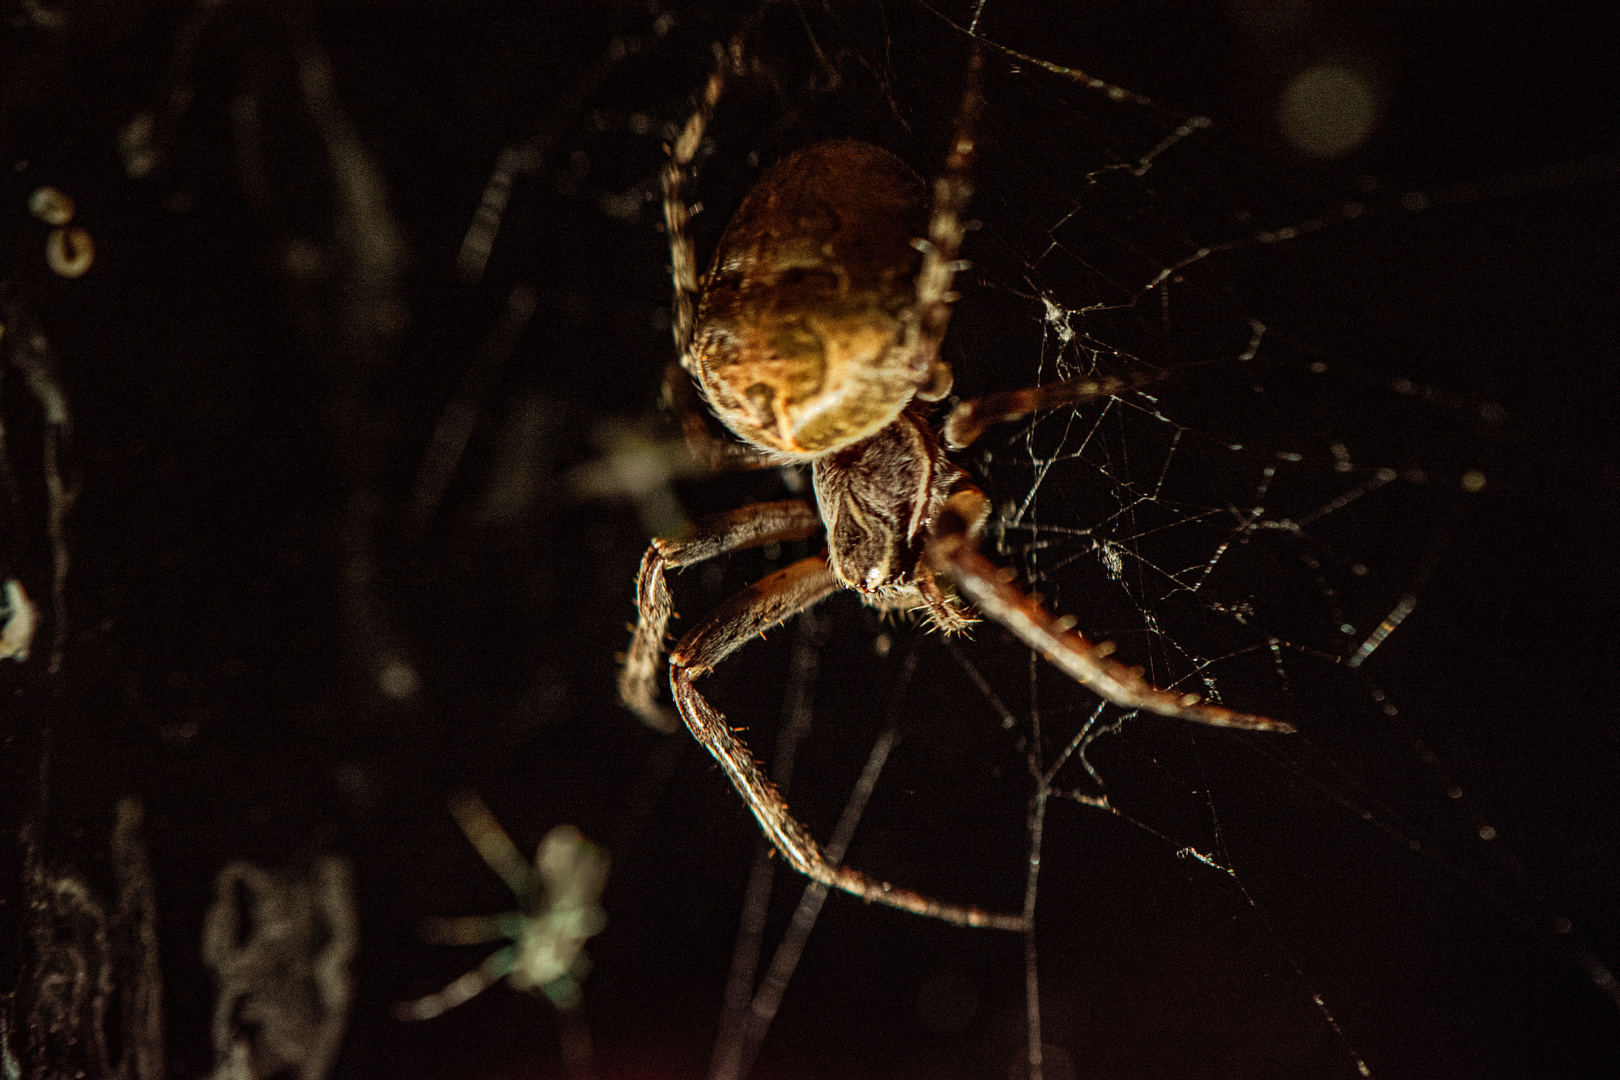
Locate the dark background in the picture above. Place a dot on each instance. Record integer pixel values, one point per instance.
(254, 403)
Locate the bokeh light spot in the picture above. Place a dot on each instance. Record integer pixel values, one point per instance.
(1328, 110)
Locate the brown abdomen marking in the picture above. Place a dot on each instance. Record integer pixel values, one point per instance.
(806, 330)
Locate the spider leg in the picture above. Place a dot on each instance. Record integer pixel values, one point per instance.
(951, 550)
(733, 530)
(494, 846)
(757, 608)
(951, 193)
(969, 419)
(472, 929)
(475, 982)
(683, 266)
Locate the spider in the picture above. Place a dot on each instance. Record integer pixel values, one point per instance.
(815, 338)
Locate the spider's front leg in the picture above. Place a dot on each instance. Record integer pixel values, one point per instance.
(759, 607)
(951, 551)
(969, 419)
(733, 530)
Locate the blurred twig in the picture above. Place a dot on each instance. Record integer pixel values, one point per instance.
(526, 158)
(461, 413)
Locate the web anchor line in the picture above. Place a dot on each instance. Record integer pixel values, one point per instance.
(1546, 920)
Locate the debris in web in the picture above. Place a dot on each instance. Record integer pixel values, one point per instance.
(280, 944)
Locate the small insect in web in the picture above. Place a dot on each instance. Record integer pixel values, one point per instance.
(557, 912)
(815, 339)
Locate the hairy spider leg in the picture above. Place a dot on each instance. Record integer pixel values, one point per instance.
(951, 550)
(969, 419)
(730, 530)
(683, 267)
(952, 191)
(711, 450)
(767, 602)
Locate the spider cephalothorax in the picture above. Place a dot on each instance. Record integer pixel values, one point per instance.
(879, 500)
(815, 337)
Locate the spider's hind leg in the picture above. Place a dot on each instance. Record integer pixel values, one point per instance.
(762, 605)
(733, 530)
(952, 550)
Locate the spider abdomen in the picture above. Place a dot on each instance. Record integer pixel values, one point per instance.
(807, 332)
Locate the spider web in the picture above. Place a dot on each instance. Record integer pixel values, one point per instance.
(1364, 484)
(1258, 525)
